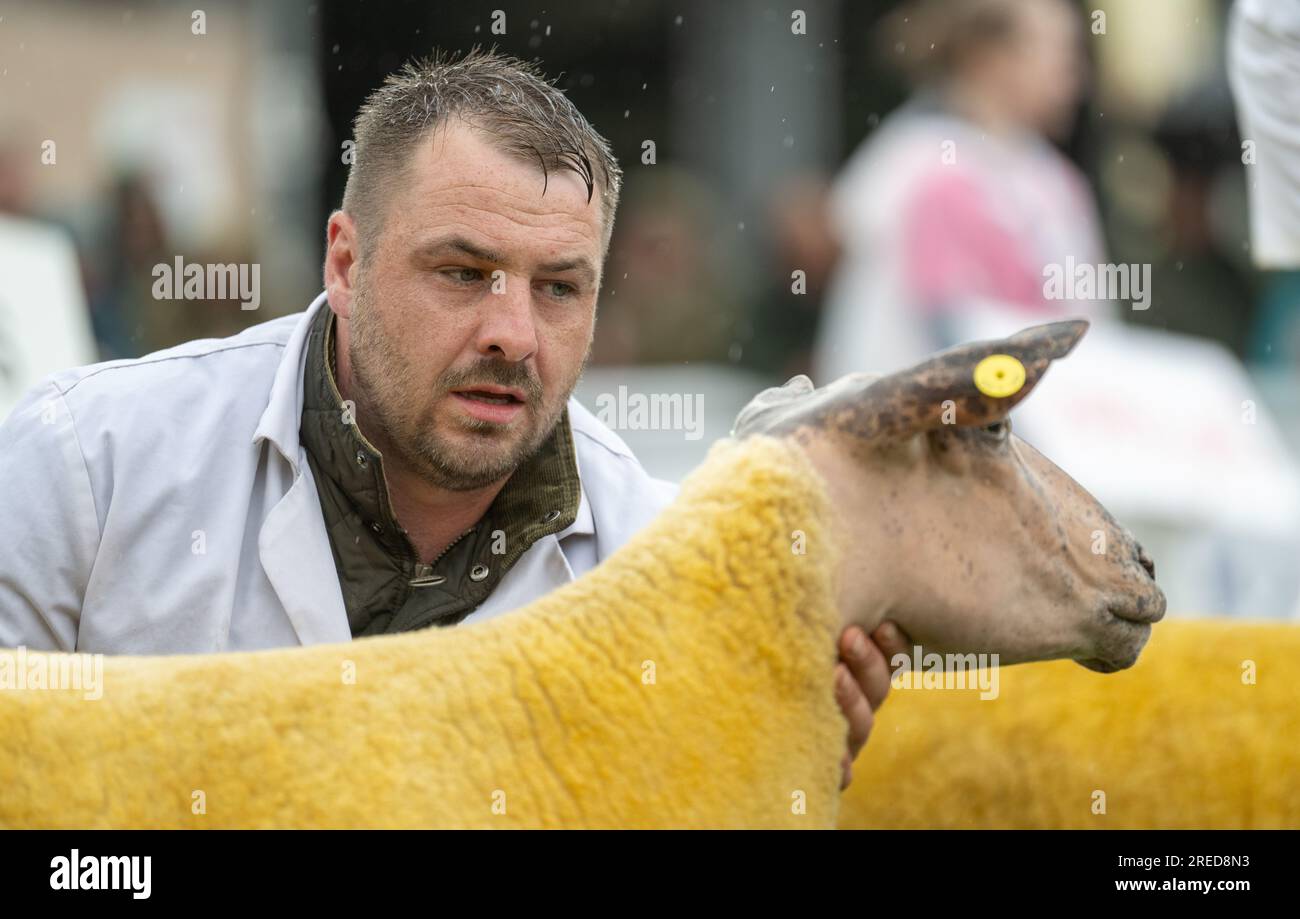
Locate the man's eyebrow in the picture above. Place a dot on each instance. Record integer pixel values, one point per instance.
(581, 265)
(459, 244)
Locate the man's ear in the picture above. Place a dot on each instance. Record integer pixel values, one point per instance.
(341, 256)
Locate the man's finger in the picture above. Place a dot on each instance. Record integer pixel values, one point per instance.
(867, 664)
(853, 703)
(892, 640)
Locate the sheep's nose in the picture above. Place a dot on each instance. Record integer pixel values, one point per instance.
(1145, 560)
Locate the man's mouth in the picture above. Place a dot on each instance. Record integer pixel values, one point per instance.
(501, 395)
(490, 403)
(495, 398)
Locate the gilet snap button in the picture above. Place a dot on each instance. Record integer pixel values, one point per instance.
(478, 572)
(551, 515)
(362, 459)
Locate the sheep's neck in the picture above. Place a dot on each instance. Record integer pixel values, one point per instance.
(865, 580)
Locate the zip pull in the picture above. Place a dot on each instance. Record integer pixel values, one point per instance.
(424, 577)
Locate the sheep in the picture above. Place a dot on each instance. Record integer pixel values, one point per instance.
(1203, 733)
(685, 682)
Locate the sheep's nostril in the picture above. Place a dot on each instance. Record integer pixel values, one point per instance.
(1146, 562)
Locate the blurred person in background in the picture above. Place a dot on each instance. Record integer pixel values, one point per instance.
(787, 311)
(959, 201)
(1201, 281)
(1264, 70)
(127, 319)
(15, 183)
(675, 287)
(121, 260)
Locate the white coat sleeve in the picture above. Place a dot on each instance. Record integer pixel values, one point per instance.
(49, 527)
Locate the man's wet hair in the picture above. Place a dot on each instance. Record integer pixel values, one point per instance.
(509, 100)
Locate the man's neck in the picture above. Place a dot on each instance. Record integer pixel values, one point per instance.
(433, 517)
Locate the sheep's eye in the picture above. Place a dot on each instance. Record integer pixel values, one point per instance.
(999, 430)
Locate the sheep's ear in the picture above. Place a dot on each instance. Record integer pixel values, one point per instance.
(945, 389)
(970, 385)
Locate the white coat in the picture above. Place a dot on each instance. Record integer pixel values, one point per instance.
(164, 505)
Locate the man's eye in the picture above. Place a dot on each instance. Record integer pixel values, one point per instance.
(559, 290)
(464, 275)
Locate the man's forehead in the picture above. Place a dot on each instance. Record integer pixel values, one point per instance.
(460, 165)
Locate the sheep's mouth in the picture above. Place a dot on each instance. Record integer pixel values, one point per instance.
(1098, 665)
(1139, 614)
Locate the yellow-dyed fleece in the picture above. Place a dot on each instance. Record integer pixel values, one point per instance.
(685, 682)
(1183, 739)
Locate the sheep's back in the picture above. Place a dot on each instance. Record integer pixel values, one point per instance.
(1182, 739)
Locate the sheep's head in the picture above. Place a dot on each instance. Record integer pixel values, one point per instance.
(954, 527)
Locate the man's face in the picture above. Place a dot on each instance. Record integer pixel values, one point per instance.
(471, 323)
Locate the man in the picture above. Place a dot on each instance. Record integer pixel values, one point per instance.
(403, 454)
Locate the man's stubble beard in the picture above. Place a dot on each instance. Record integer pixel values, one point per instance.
(381, 378)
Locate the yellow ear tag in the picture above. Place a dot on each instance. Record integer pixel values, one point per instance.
(999, 376)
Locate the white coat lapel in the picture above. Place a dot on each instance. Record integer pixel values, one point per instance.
(292, 544)
(296, 556)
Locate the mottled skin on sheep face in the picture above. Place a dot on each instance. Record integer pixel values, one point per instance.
(955, 528)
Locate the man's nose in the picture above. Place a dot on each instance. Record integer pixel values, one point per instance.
(508, 329)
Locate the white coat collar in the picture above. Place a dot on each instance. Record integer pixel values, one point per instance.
(293, 546)
(279, 423)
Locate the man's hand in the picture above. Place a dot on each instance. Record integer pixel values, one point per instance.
(862, 682)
